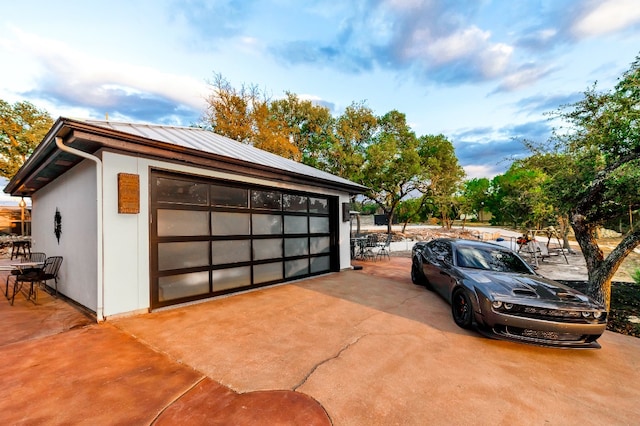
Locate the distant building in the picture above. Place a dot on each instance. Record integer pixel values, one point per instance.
(11, 220)
(149, 216)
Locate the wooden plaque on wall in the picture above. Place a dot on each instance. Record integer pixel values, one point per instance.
(128, 193)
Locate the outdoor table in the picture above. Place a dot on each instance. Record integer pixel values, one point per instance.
(359, 248)
(20, 248)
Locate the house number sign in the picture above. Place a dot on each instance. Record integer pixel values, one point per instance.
(128, 193)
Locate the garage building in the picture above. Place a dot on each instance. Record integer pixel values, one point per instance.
(148, 216)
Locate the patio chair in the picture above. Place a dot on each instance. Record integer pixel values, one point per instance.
(384, 248)
(50, 270)
(372, 243)
(36, 276)
(32, 257)
(31, 276)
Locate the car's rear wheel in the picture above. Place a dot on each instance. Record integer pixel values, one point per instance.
(461, 309)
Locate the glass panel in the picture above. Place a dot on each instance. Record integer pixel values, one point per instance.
(318, 205)
(319, 245)
(181, 192)
(320, 264)
(229, 196)
(183, 285)
(224, 223)
(271, 200)
(224, 279)
(296, 225)
(319, 225)
(267, 224)
(294, 203)
(173, 223)
(267, 249)
(296, 246)
(268, 272)
(182, 255)
(294, 268)
(230, 251)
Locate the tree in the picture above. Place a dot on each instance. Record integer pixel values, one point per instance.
(22, 128)
(392, 166)
(602, 148)
(443, 174)
(518, 198)
(244, 115)
(412, 209)
(311, 128)
(475, 194)
(354, 131)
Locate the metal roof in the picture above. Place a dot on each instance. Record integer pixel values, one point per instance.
(171, 142)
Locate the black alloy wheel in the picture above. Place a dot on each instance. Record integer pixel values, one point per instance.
(461, 309)
(417, 276)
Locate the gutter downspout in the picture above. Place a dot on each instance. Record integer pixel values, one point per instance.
(100, 277)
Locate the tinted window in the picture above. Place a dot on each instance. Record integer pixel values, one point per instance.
(441, 250)
(490, 260)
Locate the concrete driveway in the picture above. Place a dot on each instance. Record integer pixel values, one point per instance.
(360, 347)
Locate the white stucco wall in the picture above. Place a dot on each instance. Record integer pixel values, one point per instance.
(74, 195)
(126, 236)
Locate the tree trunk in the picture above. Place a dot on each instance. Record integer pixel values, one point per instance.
(601, 270)
(563, 221)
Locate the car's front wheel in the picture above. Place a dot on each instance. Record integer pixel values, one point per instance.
(417, 277)
(461, 309)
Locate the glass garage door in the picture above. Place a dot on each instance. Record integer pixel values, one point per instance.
(210, 238)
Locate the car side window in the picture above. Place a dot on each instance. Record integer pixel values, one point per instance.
(442, 250)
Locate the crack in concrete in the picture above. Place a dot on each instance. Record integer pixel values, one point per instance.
(326, 360)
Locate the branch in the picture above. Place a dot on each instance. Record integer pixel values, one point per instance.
(612, 262)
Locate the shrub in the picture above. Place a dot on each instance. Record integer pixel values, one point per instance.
(636, 276)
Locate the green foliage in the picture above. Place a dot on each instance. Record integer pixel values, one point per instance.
(22, 128)
(381, 153)
(442, 176)
(636, 276)
(412, 210)
(592, 166)
(518, 198)
(475, 196)
(392, 166)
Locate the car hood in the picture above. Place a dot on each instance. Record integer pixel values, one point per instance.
(517, 287)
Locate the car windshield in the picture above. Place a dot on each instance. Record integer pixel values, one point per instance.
(490, 260)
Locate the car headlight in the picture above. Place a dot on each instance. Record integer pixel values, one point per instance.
(586, 314)
(508, 306)
(598, 314)
(496, 304)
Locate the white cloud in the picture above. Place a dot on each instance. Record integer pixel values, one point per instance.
(470, 44)
(607, 16)
(522, 78)
(83, 74)
(481, 171)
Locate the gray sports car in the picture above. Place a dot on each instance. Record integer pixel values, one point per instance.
(490, 288)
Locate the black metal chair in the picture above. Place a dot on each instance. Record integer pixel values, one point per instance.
(372, 243)
(36, 277)
(32, 257)
(32, 276)
(384, 248)
(51, 269)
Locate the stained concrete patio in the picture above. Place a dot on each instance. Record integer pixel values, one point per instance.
(360, 347)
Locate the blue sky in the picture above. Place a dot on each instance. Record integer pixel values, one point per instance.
(483, 73)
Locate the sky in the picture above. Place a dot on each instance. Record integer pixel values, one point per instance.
(483, 73)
